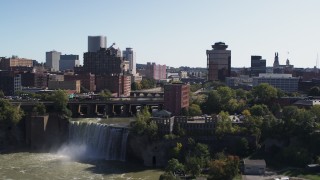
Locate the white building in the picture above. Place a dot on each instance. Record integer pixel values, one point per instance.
(53, 60)
(285, 82)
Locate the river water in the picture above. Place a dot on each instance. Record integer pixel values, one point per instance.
(61, 165)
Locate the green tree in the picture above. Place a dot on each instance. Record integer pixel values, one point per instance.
(314, 91)
(9, 114)
(39, 109)
(212, 104)
(60, 100)
(1, 94)
(194, 110)
(264, 93)
(105, 94)
(174, 165)
(259, 110)
(135, 86)
(193, 165)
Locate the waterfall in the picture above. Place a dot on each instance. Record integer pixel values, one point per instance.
(99, 140)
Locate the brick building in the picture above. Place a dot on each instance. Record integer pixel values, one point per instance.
(116, 84)
(65, 85)
(87, 80)
(156, 71)
(176, 97)
(30, 79)
(8, 63)
(105, 61)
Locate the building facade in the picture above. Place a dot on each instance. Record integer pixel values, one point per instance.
(130, 55)
(104, 61)
(285, 82)
(218, 62)
(176, 97)
(156, 71)
(68, 62)
(96, 42)
(65, 85)
(87, 80)
(119, 84)
(15, 62)
(258, 65)
(53, 60)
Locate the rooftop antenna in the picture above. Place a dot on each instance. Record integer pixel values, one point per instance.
(317, 62)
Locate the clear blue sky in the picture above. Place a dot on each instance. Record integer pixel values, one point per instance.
(172, 32)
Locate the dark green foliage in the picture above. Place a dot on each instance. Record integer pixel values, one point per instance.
(314, 91)
(39, 109)
(264, 93)
(10, 115)
(174, 165)
(168, 176)
(194, 110)
(60, 99)
(144, 126)
(1, 94)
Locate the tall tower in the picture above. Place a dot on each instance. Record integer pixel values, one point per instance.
(219, 62)
(130, 56)
(53, 60)
(276, 60)
(96, 42)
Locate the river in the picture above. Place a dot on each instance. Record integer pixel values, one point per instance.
(61, 165)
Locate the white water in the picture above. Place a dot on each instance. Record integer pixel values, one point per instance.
(95, 140)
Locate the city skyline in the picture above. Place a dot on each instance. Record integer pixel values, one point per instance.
(173, 33)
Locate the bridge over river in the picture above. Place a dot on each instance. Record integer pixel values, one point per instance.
(123, 106)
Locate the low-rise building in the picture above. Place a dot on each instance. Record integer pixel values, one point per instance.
(285, 82)
(254, 167)
(65, 85)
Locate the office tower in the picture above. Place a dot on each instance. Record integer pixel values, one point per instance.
(52, 60)
(104, 61)
(130, 55)
(96, 42)
(68, 62)
(285, 82)
(258, 65)
(218, 62)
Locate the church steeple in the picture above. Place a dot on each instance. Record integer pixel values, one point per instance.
(276, 60)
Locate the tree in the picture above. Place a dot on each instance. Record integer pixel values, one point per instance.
(60, 100)
(193, 165)
(9, 114)
(224, 168)
(135, 86)
(314, 91)
(212, 104)
(39, 109)
(194, 110)
(264, 93)
(174, 165)
(259, 110)
(1, 94)
(105, 94)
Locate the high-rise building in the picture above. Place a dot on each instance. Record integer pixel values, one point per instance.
(130, 55)
(96, 42)
(52, 60)
(156, 71)
(218, 62)
(68, 62)
(105, 61)
(258, 65)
